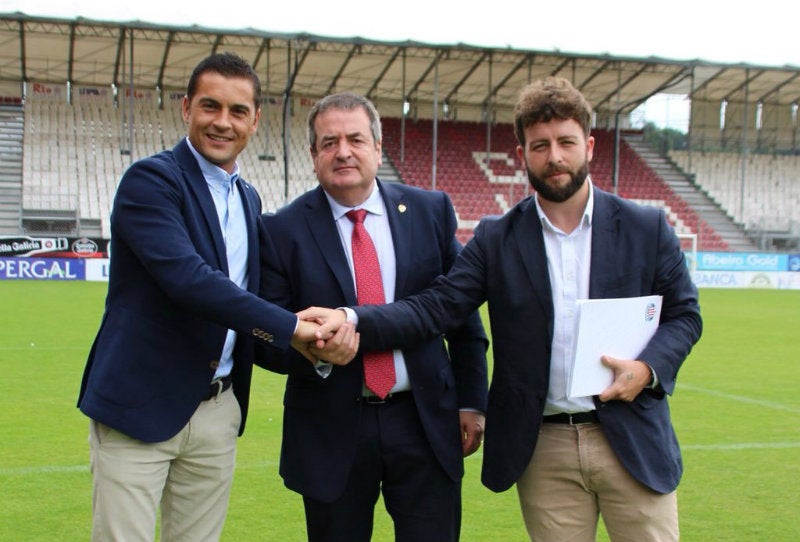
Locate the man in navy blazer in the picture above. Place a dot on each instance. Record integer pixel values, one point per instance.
(343, 445)
(167, 380)
(572, 459)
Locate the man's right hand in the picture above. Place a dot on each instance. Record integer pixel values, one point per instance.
(306, 334)
(329, 321)
(339, 349)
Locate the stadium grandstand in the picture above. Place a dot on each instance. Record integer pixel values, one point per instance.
(81, 99)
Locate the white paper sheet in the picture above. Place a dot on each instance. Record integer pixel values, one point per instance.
(619, 328)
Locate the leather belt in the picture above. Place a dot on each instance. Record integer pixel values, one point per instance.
(218, 386)
(391, 398)
(575, 418)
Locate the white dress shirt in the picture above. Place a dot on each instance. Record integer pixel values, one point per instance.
(377, 225)
(568, 264)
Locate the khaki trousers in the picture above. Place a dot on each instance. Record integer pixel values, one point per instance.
(574, 477)
(189, 476)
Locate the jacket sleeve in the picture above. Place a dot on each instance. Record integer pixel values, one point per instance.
(158, 216)
(680, 326)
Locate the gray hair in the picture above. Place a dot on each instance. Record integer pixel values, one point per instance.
(347, 101)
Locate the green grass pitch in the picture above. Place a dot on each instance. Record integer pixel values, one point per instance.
(736, 411)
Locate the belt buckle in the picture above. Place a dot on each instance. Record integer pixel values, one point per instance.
(375, 400)
(578, 414)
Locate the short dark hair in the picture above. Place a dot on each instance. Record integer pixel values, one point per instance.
(347, 101)
(547, 99)
(228, 65)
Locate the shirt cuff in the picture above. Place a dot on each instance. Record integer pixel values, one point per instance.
(351, 316)
(654, 383)
(323, 368)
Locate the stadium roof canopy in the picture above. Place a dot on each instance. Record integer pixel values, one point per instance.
(471, 80)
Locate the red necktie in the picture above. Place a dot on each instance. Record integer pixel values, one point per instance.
(378, 366)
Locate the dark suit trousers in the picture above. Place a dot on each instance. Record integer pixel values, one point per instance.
(393, 457)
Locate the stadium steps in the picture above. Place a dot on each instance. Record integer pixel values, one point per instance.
(706, 208)
(11, 130)
(387, 172)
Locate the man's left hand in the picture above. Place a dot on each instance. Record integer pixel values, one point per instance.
(472, 424)
(631, 376)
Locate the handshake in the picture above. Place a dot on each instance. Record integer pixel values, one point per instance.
(324, 334)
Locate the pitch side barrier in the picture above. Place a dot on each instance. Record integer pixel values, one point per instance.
(747, 270)
(64, 258)
(24, 257)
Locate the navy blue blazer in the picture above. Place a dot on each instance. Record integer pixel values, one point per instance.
(634, 252)
(303, 265)
(170, 302)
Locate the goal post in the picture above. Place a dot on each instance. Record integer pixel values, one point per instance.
(689, 246)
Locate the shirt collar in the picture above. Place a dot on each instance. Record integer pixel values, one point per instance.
(373, 204)
(586, 219)
(214, 174)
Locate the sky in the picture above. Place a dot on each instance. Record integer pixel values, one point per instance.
(763, 33)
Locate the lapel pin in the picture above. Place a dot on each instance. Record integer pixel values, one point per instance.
(401, 208)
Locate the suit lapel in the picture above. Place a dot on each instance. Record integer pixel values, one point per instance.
(528, 236)
(605, 229)
(199, 189)
(401, 226)
(323, 230)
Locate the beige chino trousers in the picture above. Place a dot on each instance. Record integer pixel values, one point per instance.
(575, 477)
(188, 477)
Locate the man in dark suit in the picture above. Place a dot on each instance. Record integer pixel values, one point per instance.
(572, 459)
(167, 380)
(343, 442)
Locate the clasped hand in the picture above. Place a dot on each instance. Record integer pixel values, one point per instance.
(324, 335)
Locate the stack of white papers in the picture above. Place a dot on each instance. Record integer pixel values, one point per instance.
(619, 328)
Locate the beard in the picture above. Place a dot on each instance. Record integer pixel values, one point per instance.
(556, 193)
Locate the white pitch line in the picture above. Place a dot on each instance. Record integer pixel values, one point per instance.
(43, 348)
(44, 469)
(740, 398)
(742, 446)
(67, 469)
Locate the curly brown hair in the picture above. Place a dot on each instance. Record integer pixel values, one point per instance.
(547, 99)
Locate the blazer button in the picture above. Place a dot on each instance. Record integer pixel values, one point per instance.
(263, 335)
(214, 364)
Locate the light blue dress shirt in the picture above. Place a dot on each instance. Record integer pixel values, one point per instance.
(230, 211)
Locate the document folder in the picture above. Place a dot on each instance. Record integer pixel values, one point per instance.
(619, 328)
